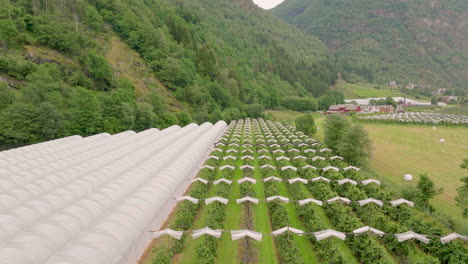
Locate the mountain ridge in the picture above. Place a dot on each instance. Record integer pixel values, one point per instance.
(420, 42)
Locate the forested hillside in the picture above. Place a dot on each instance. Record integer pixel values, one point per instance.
(83, 67)
(418, 41)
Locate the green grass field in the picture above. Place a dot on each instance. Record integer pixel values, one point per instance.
(366, 90)
(399, 150)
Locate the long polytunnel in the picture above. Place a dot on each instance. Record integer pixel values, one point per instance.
(94, 199)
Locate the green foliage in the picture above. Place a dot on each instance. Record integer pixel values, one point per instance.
(99, 70)
(426, 190)
(335, 127)
(144, 116)
(254, 110)
(306, 124)
(20, 123)
(85, 112)
(355, 146)
(7, 97)
(462, 195)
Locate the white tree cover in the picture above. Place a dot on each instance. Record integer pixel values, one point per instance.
(272, 178)
(213, 157)
(294, 150)
(338, 198)
(289, 168)
(297, 179)
(310, 150)
(320, 178)
(232, 150)
(227, 167)
(267, 166)
(229, 157)
(331, 168)
(265, 157)
(207, 231)
(277, 197)
(368, 229)
(401, 201)
(247, 199)
(343, 181)
(286, 229)
(172, 233)
(278, 151)
(310, 200)
(412, 235)
(200, 180)
(325, 150)
(282, 158)
(309, 167)
(87, 207)
(300, 157)
(247, 150)
(247, 167)
(318, 158)
(369, 181)
(453, 236)
(351, 168)
(247, 157)
(216, 199)
(320, 235)
(238, 234)
(222, 180)
(336, 157)
(187, 198)
(247, 179)
(370, 200)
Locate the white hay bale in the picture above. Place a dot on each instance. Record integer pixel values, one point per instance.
(408, 177)
(434, 128)
(442, 140)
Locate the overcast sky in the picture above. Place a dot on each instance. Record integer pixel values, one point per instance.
(267, 4)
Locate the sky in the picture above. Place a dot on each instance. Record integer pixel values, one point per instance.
(267, 4)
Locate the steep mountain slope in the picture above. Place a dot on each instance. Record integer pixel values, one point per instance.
(87, 66)
(403, 40)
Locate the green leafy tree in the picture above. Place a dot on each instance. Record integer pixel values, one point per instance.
(99, 70)
(434, 100)
(426, 190)
(355, 146)
(20, 123)
(462, 196)
(254, 110)
(306, 124)
(184, 118)
(85, 112)
(7, 97)
(51, 120)
(335, 127)
(144, 117)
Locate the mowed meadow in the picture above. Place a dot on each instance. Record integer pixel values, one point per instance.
(401, 149)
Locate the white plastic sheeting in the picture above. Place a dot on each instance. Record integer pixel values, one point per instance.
(93, 200)
(286, 229)
(169, 232)
(207, 231)
(368, 229)
(453, 236)
(238, 234)
(412, 235)
(320, 235)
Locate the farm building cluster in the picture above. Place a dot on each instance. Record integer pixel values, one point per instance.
(365, 109)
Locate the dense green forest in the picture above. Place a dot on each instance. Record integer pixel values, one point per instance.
(417, 41)
(90, 66)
